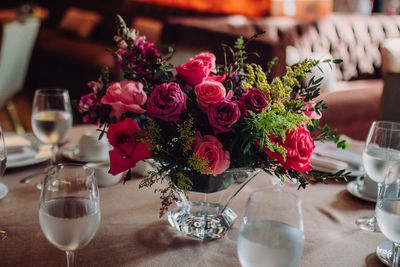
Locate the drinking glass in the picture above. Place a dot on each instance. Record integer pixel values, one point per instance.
(69, 210)
(388, 213)
(381, 152)
(3, 187)
(271, 232)
(51, 117)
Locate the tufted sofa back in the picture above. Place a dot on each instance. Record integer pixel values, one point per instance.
(354, 38)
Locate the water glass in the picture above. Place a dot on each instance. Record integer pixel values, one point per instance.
(69, 210)
(388, 213)
(271, 232)
(381, 153)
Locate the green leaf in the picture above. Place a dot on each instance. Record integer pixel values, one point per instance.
(337, 61)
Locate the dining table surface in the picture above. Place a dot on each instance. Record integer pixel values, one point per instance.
(131, 233)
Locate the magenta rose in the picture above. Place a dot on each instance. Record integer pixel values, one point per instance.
(207, 57)
(254, 99)
(299, 146)
(223, 114)
(309, 112)
(210, 92)
(125, 96)
(210, 148)
(166, 102)
(194, 71)
(123, 136)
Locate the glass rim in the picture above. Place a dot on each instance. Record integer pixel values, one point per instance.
(50, 91)
(381, 125)
(84, 167)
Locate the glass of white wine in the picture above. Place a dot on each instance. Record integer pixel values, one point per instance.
(3, 187)
(271, 232)
(51, 117)
(381, 153)
(388, 213)
(69, 210)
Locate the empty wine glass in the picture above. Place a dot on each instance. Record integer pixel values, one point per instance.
(381, 152)
(51, 118)
(69, 210)
(388, 213)
(3, 187)
(271, 233)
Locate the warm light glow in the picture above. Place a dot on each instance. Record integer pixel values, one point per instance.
(250, 8)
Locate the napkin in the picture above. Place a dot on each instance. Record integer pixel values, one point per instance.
(26, 152)
(15, 143)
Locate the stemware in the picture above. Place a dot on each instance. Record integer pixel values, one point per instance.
(381, 152)
(51, 118)
(271, 232)
(69, 210)
(3, 187)
(388, 213)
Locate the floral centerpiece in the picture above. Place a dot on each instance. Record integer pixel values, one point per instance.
(201, 118)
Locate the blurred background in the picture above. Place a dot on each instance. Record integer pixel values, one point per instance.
(70, 46)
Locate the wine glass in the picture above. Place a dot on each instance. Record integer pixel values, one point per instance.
(69, 210)
(271, 233)
(51, 118)
(388, 213)
(381, 152)
(3, 187)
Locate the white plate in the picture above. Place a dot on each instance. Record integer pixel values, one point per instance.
(43, 153)
(354, 172)
(352, 188)
(3, 190)
(384, 252)
(73, 154)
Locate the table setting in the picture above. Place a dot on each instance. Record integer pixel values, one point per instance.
(213, 166)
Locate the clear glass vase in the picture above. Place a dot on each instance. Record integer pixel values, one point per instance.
(204, 212)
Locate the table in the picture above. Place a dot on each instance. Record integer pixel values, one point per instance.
(131, 234)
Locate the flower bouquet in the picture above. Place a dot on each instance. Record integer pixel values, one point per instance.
(201, 120)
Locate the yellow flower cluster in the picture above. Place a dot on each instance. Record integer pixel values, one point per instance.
(257, 79)
(199, 164)
(186, 135)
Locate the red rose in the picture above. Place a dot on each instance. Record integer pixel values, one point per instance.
(194, 71)
(223, 114)
(127, 150)
(254, 99)
(299, 146)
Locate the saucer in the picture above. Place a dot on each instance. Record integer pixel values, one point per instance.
(384, 252)
(352, 188)
(3, 190)
(74, 154)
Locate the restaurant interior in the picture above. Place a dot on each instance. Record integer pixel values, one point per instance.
(66, 44)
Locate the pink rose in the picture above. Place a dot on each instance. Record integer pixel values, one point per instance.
(127, 150)
(299, 146)
(125, 96)
(166, 102)
(223, 114)
(208, 57)
(210, 92)
(309, 112)
(211, 149)
(254, 99)
(194, 71)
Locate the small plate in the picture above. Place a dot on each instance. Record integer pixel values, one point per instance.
(43, 153)
(384, 252)
(3, 190)
(73, 154)
(352, 188)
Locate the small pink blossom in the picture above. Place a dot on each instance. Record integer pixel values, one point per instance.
(309, 112)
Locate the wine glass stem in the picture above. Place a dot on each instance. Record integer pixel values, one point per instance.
(395, 259)
(70, 258)
(54, 149)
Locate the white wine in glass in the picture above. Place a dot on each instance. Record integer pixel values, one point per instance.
(51, 117)
(381, 153)
(69, 211)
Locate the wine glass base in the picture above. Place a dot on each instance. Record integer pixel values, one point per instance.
(368, 224)
(3, 190)
(384, 252)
